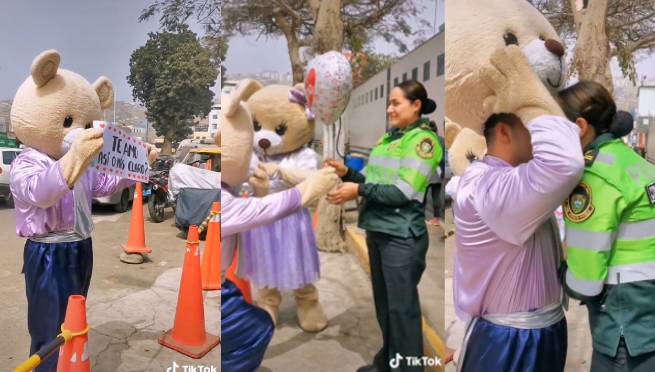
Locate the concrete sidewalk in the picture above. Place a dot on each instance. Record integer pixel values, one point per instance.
(128, 307)
(353, 335)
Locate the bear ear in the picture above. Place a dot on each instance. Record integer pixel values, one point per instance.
(452, 130)
(244, 90)
(105, 91)
(44, 67)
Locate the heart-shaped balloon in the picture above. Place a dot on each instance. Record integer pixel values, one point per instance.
(328, 76)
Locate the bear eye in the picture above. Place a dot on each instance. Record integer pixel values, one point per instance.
(68, 121)
(510, 39)
(281, 129)
(256, 125)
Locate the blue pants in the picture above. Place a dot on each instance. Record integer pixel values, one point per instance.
(504, 349)
(53, 271)
(246, 331)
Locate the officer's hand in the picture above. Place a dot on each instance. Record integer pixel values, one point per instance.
(338, 166)
(347, 191)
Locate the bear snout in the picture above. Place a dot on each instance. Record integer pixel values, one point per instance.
(264, 143)
(555, 47)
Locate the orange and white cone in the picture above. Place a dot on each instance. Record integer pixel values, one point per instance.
(211, 257)
(136, 242)
(188, 335)
(74, 355)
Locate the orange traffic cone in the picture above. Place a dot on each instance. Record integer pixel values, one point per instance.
(242, 284)
(211, 257)
(188, 335)
(136, 242)
(74, 355)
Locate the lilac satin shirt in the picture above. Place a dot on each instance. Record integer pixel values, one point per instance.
(242, 214)
(43, 201)
(507, 242)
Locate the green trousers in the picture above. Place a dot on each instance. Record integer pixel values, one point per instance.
(396, 268)
(622, 362)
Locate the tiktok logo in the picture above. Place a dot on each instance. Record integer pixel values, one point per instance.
(173, 368)
(395, 362)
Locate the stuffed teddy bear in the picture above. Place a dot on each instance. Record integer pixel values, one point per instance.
(283, 255)
(247, 329)
(53, 185)
(475, 29)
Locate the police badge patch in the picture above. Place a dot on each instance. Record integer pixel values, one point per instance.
(650, 191)
(425, 148)
(578, 206)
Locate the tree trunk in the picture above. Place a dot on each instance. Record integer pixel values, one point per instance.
(328, 32)
(592, 49)
(297, 67)
(328, 35)
(167, 146)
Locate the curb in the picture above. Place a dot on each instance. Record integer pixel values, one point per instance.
(435, 346)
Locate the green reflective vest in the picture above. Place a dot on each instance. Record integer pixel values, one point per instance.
(407, 162)
(610, 238)
(406, 159)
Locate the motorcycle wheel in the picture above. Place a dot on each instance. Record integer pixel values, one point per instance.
(156, 206)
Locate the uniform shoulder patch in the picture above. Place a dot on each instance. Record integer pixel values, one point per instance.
(578, 207)
(650, 191)
(425, 148)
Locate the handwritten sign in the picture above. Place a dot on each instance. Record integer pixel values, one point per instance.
(121, 154)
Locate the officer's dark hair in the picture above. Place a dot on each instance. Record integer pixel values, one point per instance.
(591, 101)
(413, 91)
(492, 122)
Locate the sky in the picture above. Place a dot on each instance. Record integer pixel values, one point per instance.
(94, 38)
(245, 54)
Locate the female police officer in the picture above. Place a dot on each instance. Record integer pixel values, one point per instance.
(610, 234)
(397, 174)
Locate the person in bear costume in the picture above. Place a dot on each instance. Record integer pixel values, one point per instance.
(504, 62)
(283, 255)
(52, 186)
(246, 329)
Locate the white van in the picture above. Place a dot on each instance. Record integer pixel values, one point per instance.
(7, 156)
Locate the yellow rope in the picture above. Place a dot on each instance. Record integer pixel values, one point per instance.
(68, 335)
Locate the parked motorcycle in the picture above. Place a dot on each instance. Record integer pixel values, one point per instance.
(159, 197)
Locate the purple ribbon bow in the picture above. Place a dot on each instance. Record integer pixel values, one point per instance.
(299, 97)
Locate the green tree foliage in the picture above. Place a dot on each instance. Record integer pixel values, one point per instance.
(171, 76)
(174, 13)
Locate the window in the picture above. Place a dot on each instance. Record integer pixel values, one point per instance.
(395, 81)
(404, 76)
(440, 65)
(370, 98)
(376, 93)
(382, 91)
(426, 71)
(415, 73)
(215, 116)
(8, 157)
